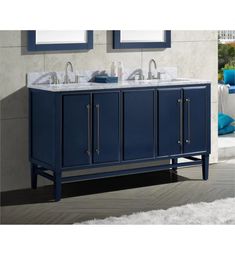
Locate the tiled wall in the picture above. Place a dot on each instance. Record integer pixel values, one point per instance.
(194, 53)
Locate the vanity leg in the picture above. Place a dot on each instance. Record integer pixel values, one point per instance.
(174, 161)
(57, 185)
(205, 167)
(34, 176)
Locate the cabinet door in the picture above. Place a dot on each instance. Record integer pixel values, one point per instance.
(106, 127)
(76, 130)
(195, 120)
(138, 124)
(170, 107)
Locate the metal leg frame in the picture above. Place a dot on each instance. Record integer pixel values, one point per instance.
(57, 178)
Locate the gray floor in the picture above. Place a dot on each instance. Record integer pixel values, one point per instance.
(118, 196)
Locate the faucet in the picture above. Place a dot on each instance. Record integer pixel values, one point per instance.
(66, 77)
(150, 75)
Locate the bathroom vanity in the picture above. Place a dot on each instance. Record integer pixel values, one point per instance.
(84, 126)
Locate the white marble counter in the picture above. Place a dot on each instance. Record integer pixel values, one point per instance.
(120, 85)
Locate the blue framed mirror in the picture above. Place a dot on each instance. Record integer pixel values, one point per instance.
(132, 39)
(51, 40)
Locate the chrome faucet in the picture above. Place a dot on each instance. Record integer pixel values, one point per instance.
(66, 77)
(150, 75)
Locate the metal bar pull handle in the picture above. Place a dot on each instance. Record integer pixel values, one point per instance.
(180, 141)
(88, 131)
(187, 100)
(98, 129)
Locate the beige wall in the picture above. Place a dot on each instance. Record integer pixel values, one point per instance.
(194, 53)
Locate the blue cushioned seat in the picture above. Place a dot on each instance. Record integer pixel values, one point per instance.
(224, 120)
(226, 130)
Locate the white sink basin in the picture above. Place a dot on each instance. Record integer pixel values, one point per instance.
(157, 81)
(70, 85)
(176, 79)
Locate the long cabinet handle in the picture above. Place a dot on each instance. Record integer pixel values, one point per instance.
(98, 129)
(187, 100)
(88, 130)
(180, 141)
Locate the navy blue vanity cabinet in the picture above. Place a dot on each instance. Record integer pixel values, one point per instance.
(106, 127)
(76, 133)
(84, 130)
(138, 124)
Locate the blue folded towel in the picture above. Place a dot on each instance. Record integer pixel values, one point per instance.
(106, 79)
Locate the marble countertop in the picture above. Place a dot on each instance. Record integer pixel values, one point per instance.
(83, 86)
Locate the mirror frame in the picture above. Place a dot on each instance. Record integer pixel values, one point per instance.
(117, 44)
(32, 46)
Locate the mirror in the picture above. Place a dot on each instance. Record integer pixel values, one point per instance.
(131, 39)
(51, 40)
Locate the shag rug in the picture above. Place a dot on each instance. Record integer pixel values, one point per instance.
(217, 212)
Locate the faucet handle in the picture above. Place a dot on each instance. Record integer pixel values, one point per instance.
(53, 78)
(162, 74)
(141, 76)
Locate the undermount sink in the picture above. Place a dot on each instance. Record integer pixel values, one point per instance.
(141, 81)
(178, 79)
(70, 84)
(173, 80)
(161, 80)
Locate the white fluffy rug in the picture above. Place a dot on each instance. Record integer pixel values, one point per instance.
(217, 212)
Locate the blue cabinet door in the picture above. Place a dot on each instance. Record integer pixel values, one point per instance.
(170, 117)
(106, 127)
(76, 130)
(138, 124)
(195, 119)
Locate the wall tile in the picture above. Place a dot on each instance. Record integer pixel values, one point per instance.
(100, 37)
(131, 59)
(83, 60)
(11, 38)
(100, 58)
(193, 59)
(14, 65)
(194, 35)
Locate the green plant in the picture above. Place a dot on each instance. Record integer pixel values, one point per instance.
(220, 75)
(226, 55)
(229, 66)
